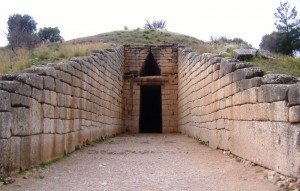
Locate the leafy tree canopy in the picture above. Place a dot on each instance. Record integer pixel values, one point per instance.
(50, 34)
(21, 31)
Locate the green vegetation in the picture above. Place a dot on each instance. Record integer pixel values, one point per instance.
(11, 62)
(139, 36)
(281, 64)
(18, 60)
(286, 39)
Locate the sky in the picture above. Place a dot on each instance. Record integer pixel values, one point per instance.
(249, 20)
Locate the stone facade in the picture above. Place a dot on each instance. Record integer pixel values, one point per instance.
(166, 58)
(47, 111)
(234, 107)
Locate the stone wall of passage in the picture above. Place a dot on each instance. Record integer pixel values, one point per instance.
(234, 107)
(45, 112)
(166, 58)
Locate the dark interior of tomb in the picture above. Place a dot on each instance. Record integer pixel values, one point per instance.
(150, 111)
(150, 67)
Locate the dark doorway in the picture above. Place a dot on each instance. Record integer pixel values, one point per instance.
(150, 67)
(150, 111)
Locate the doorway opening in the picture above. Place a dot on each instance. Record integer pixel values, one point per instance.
(150, 111)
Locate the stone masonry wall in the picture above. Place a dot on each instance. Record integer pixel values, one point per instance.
(46, 112)
(234, 107)
(166, 58)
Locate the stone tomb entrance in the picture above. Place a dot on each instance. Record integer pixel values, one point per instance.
(150, 89)
(150, 100)
(150, 111)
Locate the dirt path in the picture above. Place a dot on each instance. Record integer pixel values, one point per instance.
(146, 162)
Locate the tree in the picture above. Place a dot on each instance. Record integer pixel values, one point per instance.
(286, 18)
(49, 34)
(161, 24)
(21, 31)
(270, 42)
(287, 38)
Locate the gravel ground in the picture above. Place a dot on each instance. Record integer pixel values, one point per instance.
(146, 162)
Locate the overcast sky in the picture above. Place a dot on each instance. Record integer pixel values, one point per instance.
(248, 20)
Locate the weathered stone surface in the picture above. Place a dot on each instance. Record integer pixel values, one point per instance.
(244, 54)
(294, 95)
(30, 151)
(49, 125)
(27, 121)
(294, 114)
(10, 155)
(272, 93)
(278, 79)
(269, 144)
(47, 147)
(5, 125)
(227, 66)
(48, 111)
(247, 73)
(42, 71)
(5, 104)
(16, 87)
(264, 54)
(27, 78)
(49, 83)
(21, 125)
(20, 101)
(241, 65)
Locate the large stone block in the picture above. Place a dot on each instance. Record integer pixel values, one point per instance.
(279, 111)
(294, 95)
(73, 141)
(59, 146)
(49, 125)
(20, 101)
(294, 114)
(37, 94)
(10, 155)
(21, 121)
(278, 79)
(272, 93)
(31, 79)
(49, 97)
(224, 138)
(30, 151)
(5, 103)
(5, 125)
(49, 83)
(27, 121)
(247, 73)
(48, 111)
(47, 147)
(261, 111)
(16, 87)
(270, 144)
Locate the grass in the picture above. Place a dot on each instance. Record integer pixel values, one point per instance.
(11, 62)
(139, 36)
(281, 64)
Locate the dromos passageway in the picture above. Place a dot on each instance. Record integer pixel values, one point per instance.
(147, 162)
